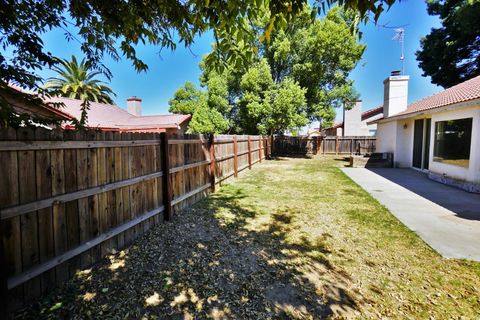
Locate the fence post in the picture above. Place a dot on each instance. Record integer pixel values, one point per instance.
(271, 145)
(167, 187)
(235, 156)
(337, 146)
(351, 146)
(249, 153)
(260, 147)
(265, 147)
(212, 161)
(4, 296)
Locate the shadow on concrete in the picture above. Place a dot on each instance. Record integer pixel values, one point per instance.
(464, 204)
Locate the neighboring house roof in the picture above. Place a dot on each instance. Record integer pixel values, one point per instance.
(372, 112)
(465, 91)
(108, 116)
(20, 104)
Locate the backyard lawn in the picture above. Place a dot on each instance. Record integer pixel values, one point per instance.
(293, 238)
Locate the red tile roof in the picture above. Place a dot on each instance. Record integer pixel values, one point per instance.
(110, 116)
(372, 112)
(465, 91)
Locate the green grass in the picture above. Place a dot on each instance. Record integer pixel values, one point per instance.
(293, 238)
(320, 216)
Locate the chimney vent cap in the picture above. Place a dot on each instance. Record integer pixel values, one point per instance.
(134, 98)
(395, 73)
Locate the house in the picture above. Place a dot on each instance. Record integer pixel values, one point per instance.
(355, 122)
(439, 134)
(24, 103)
(113, 118)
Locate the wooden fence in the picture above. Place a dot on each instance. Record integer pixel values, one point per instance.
(284, 145)
(68, 198)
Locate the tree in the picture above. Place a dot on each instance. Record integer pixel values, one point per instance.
(451, 54)
(319, 56)
(185, 99)
(315, 56)
(77, 81)
(267, 107)
(116, 27)
(206, 118)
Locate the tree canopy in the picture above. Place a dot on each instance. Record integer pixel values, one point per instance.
(267, 107)
(451, 54)
(116, 27)
(299, 76)
(205, 108)
(319, 56)
(77, 81)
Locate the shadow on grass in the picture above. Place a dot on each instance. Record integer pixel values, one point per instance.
(209, 262)
(283, 157)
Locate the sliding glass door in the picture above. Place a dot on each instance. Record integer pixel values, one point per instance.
(421, 143)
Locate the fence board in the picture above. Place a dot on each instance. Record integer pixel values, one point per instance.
(45, 223)
(11, 263)
(58, 210)
(28, 222)
(83, 211)
(71, 207)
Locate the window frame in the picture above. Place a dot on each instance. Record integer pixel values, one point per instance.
(464, 162)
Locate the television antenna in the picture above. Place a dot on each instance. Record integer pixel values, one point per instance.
(400, 37)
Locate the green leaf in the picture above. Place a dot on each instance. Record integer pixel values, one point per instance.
(56, 306)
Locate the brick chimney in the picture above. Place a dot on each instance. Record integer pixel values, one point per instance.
(134, 106)
(395, 94)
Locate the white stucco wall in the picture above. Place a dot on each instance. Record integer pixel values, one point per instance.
(386, 136)
(373, 126)
(404, 147)
(397, 137)
(472, 173)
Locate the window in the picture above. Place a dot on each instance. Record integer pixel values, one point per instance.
(452, 141)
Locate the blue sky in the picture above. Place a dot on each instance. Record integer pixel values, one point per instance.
(383, 54)
(169, 70)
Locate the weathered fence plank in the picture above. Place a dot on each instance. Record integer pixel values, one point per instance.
(29, 228)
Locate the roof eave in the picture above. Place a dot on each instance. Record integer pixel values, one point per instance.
(453, 106)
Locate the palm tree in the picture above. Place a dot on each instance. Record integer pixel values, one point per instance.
(78, 81)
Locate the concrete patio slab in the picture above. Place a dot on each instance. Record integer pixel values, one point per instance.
(446, 218)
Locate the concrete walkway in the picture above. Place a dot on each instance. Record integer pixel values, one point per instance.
(446, 218)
